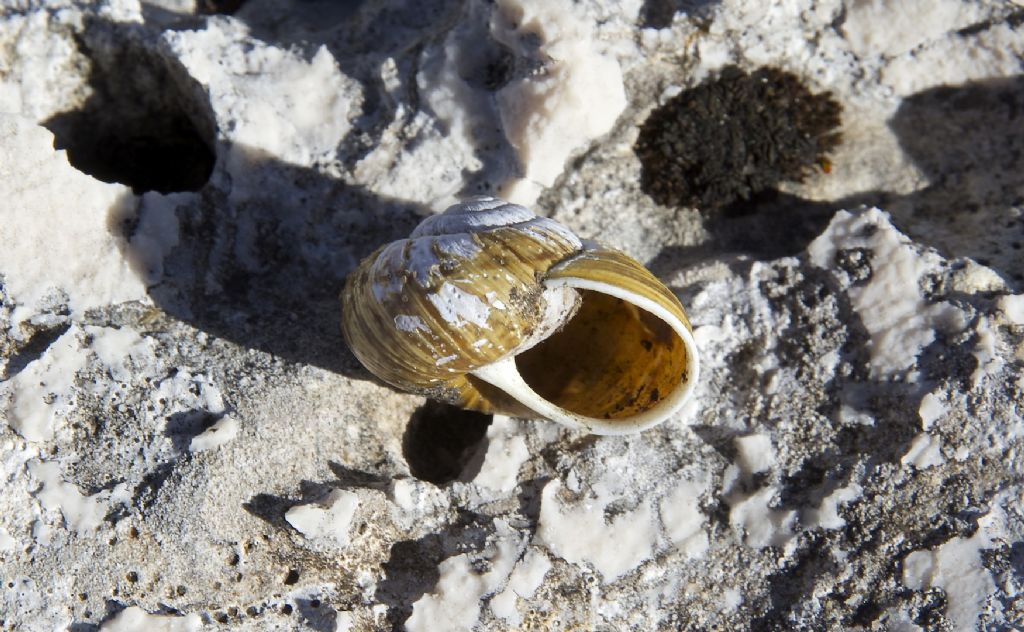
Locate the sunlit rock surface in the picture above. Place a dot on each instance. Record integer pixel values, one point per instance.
(187, 444)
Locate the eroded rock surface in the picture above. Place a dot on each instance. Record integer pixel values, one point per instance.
(189, 445)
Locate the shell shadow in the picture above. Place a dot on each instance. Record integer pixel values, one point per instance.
(441, 441)
(265, 271)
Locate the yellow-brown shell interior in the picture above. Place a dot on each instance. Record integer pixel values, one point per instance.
(613, 359)
(421, 315)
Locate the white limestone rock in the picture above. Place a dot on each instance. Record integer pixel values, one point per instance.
(548, 116)
(268, 100)
(44, 390)
(580, 533)
(134, 618)
(81, 513)
(223, 430)
(862, 351)
(892, 28)
(455, 602)
(891, 306)
(49, 252)
(330, 519)
(506, 453)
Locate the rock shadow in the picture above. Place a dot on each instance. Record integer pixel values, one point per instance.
(317, 616)
(770, 225)
(658, 14)
(184, 426)
(37, 344)
(789, 587)
(271, 508)
(262, 264)
(529, 499)
(145, 493)
(411, 569)
(968, 140)
(1017, 559)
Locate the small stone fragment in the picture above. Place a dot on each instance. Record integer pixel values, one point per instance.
(216, 435)
(134, 619)
(330, 520)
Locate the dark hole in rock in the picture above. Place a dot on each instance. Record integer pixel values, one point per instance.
(292, 577)
(440, 440)
(658, 14)
(316, 618)
(733, 136)
(491, 68)
(139, 126)
(224, 7)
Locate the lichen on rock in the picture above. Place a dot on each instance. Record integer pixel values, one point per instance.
(734, 136)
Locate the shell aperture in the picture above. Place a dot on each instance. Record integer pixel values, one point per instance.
(493, 308)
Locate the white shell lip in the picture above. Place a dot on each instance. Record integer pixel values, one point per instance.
(505, 375)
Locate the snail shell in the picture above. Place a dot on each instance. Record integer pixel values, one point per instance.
(493, 308)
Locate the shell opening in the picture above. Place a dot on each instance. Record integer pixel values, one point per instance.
(612, 360)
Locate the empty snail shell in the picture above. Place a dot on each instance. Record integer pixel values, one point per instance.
(493, 308)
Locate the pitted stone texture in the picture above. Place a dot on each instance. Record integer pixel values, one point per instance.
(854, 456)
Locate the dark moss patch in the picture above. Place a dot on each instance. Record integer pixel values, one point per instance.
(733, 136)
